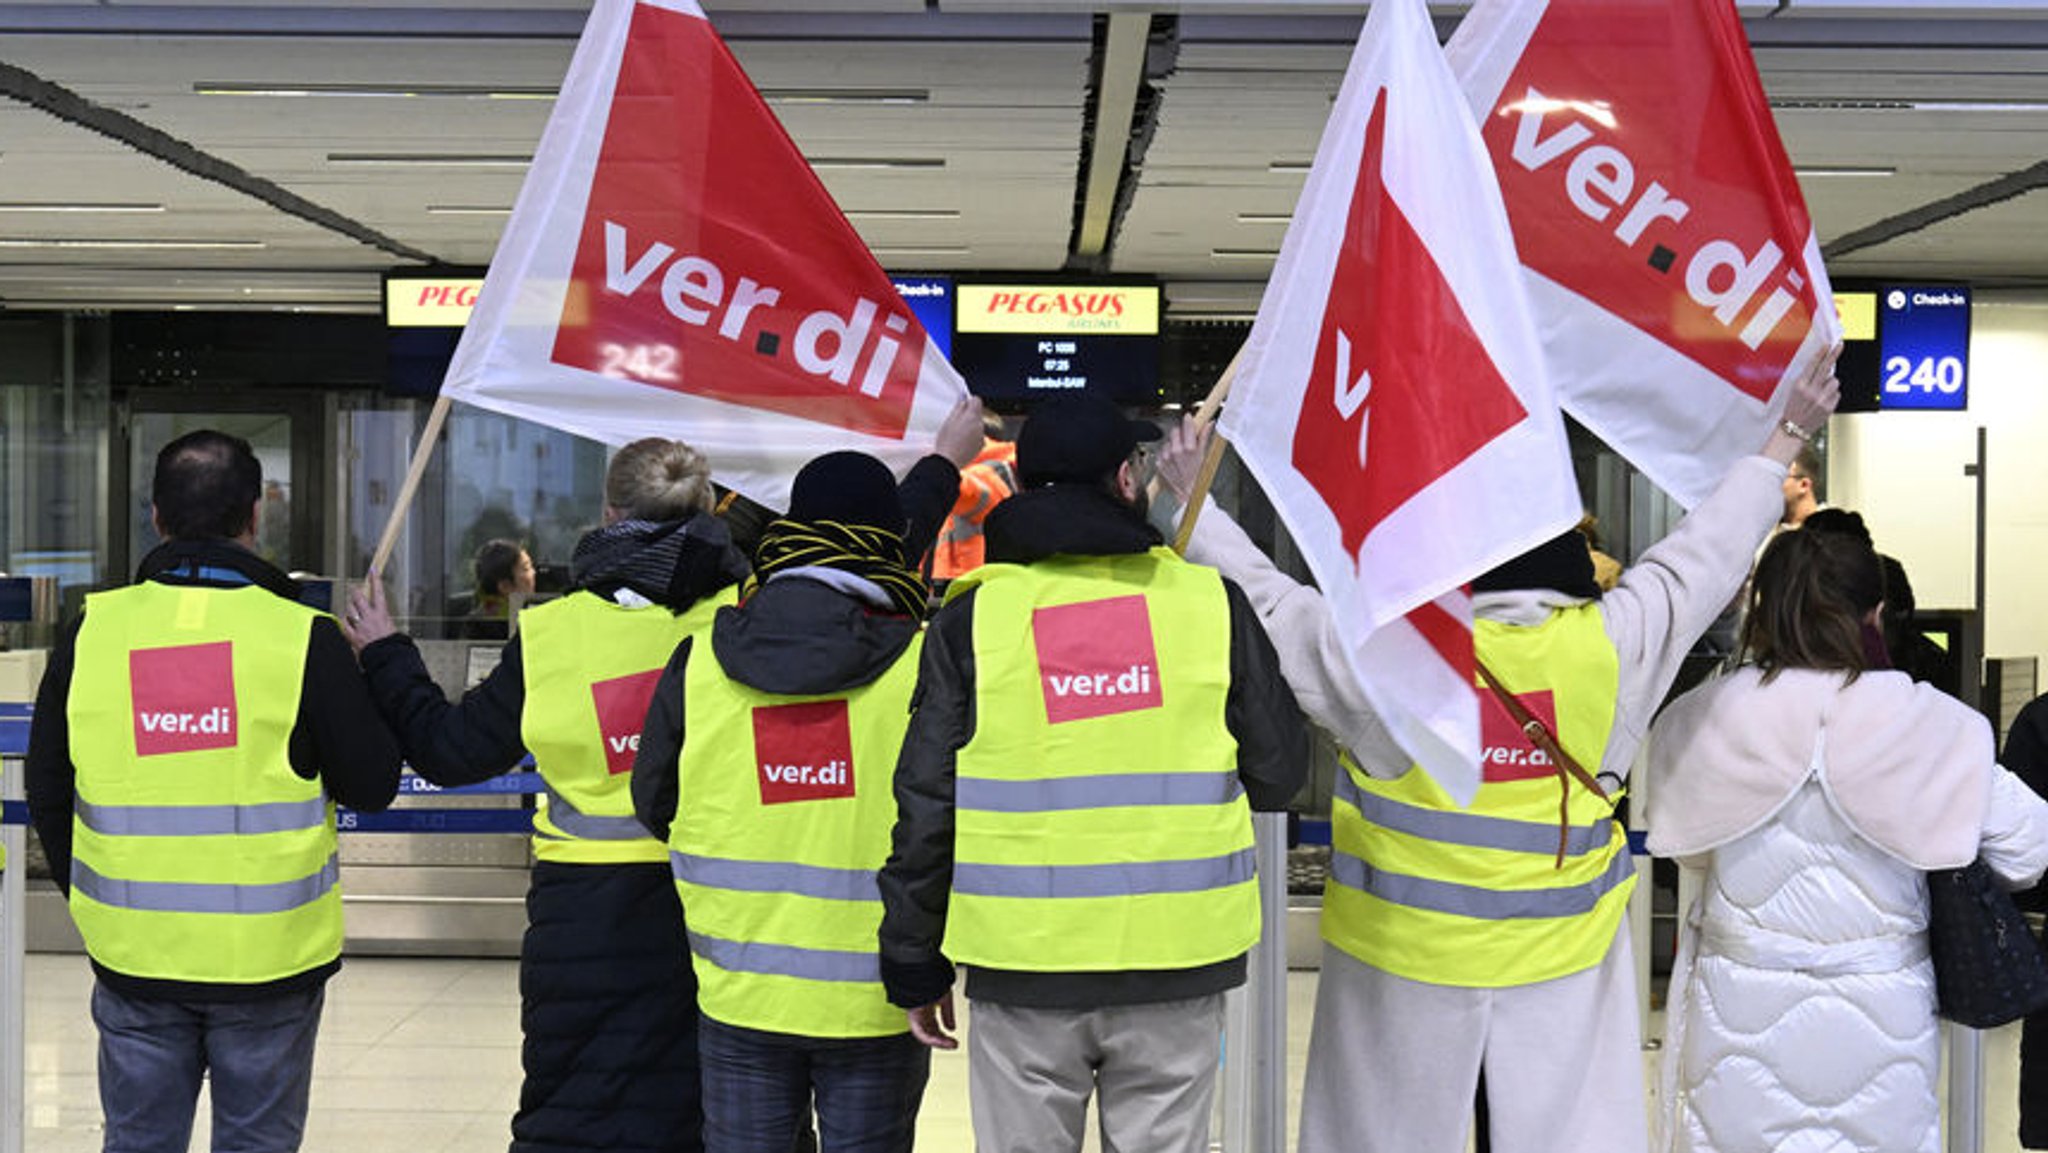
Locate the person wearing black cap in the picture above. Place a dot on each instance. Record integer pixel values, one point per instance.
(1490, 936)
(1095, 719)
(765, 765)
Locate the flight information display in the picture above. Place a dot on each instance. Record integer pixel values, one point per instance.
(1024, 342)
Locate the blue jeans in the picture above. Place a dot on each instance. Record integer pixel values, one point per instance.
(758, 1088)
(153, 1054)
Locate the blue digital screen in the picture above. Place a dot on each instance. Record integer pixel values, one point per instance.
(931, 300)
(1923, 334)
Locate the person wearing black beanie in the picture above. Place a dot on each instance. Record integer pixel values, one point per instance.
(765, 764)
(1086, 679)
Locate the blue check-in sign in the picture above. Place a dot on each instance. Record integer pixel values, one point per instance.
(1924, 343)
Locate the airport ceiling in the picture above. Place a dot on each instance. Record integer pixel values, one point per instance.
(276, 154)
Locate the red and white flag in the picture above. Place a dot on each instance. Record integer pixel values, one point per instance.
(674, 268)
(1673, 269)
(1391, 398)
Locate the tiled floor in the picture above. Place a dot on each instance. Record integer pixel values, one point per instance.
(423, 1056)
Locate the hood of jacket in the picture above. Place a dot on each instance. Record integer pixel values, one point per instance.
(797, 636)
(1907, 766)
(1074, 519)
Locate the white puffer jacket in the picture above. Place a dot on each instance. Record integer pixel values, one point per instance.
(1801, 1017)
(1810, 944)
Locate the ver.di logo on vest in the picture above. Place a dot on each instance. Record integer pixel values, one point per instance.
(1096, 658)
(803, 752)
(1505, 751)
(621, 712)
(184, 698)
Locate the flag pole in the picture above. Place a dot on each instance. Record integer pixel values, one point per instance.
(1212, 457)
(428, 436)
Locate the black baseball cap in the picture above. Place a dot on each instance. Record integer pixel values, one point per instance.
(1077, 438)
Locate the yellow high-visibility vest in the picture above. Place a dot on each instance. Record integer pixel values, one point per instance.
(1474, 896)
(590, 667)
(1099, 820)
(197, 853)
(784, 818)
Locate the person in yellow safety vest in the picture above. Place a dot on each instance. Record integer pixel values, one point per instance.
(608, 1011)
(989, 480)
(1461, 939)
(1095, 721)
(766, 763)
(608, 1000)
(192, 735)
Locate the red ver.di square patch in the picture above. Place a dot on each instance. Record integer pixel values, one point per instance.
(1096, 658)
(621, 714)
(184, 698)
(1505, 751)
(804, 752)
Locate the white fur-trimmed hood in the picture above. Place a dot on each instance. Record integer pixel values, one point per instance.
(1907, 766)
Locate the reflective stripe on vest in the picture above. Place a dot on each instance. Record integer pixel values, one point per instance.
(1475, 830)
(840, 966)
(192, 897)
(200, 820)
(1061, 882)
(1099, 824)
(1478, 901)
(198, 853)
(775, 877)
(1473, 895)
(1102, 791)
(571, 824)
(785, 819)
(589, 666)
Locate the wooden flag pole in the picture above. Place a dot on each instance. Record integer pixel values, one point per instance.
(428, 437)
(1212, 458)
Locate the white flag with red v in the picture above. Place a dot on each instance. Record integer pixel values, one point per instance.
(1673, 269)
(674, 268)
(1391, 398)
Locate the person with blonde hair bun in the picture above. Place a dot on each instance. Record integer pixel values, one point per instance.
(608, 1002)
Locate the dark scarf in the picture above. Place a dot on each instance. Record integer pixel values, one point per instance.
(873, 554)
(672, 563)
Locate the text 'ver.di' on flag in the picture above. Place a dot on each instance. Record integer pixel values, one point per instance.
(674, 268)
(1671, 264)
(1391, 398)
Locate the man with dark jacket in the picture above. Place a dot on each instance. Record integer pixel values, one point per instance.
(1092, 716)
(765, 764)
(192, 735)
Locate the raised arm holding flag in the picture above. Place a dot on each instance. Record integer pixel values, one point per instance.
(1469, 924)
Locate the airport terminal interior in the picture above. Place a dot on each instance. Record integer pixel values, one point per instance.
(272, 217)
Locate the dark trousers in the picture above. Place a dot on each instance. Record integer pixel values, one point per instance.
(759, 1089)
(154, 1053)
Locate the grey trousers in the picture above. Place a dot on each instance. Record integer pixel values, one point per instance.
(1030, 1072)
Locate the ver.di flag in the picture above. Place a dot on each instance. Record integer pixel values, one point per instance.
(674, 268)
(1391, 398)
(1673, 269)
